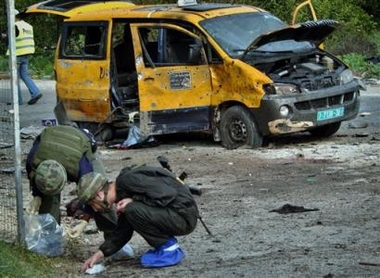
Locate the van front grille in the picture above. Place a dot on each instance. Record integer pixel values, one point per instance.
(325, 102)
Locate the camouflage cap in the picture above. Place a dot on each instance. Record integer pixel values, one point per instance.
(89, 185)
(50, 177)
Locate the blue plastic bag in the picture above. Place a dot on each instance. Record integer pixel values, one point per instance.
(135, 138)
(43, 235)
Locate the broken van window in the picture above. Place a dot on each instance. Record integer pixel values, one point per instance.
(83, 41)
(165, 46)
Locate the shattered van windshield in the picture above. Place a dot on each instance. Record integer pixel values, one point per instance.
(235, 32)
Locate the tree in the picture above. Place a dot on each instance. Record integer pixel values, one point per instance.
(45, 38)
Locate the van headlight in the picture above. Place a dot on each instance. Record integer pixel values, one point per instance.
(346, 76)
(284, 111)
(281, 89)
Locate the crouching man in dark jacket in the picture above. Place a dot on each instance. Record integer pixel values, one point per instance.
(149, 200)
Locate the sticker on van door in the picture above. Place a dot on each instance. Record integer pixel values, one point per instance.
(180, 80)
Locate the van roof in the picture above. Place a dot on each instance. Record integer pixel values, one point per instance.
(174, 12)
(70, 8)
(92, 9)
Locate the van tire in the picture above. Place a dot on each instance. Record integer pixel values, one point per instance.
(238, 129)
(106, 133)
(325, 130)
(102, 133)
(90, 126)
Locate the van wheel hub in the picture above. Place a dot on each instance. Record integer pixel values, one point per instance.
(238, 130)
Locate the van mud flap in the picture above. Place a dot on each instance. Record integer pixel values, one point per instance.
(61, 115)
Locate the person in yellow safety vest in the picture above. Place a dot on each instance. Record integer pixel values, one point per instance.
(24, 48)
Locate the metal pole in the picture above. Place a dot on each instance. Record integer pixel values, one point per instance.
(16, 118)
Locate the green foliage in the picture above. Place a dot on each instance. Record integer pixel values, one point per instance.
(4, 64)
(46, 27)
(348, 12)
(40, 65)
(372, 7)
(16, 261)
(282, 9)
(45, 38)
(345, 42)
(360, 66)
(354, 23)
(376, 39)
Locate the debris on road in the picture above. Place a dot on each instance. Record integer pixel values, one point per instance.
(287, 208)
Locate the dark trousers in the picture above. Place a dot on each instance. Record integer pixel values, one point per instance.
(155, 224)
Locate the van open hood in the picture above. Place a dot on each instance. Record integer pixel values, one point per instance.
(311, 31)
(67, 8)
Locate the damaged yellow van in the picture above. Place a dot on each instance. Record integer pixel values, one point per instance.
(235, 71)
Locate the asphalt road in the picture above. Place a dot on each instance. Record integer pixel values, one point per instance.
(369, 113)
(32, 115)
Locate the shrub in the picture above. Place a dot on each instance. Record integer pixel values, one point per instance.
(345, 42)
(361, 66)
(40, 65)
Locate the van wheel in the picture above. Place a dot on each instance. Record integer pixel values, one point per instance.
(91, 127)
(105, 133)
(101, 133)
(238, 128)
(325, 130)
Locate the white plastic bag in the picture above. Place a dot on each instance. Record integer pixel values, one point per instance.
(126, 252)
(97, 268)
(43, 235)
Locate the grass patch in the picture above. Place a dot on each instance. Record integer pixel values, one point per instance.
(376, 40)
(17, 261)
(361, 67)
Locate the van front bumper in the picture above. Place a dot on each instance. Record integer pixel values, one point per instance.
(305, 109)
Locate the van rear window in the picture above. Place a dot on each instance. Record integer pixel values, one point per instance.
(85, 41)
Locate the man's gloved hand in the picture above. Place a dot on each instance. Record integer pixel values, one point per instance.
(78, 229)
(34, 205)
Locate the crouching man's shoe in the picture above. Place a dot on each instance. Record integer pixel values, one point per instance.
(167, 254)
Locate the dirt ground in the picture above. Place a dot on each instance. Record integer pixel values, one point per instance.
(338, 179)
